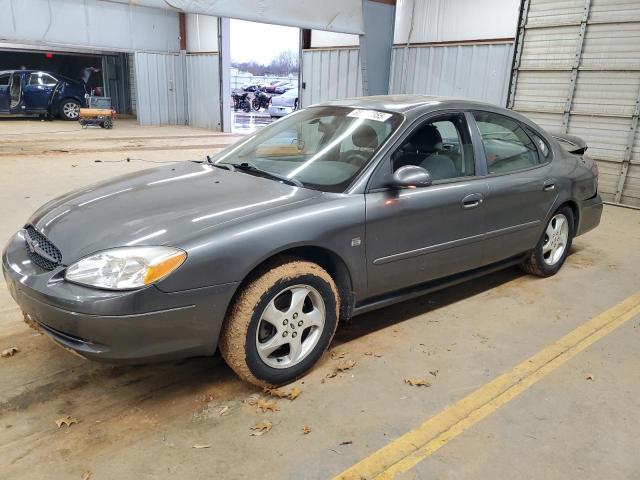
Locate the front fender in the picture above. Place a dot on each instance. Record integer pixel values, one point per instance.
(332, 222)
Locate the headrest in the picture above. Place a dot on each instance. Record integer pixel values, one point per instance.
(427, 139)
(365, 137)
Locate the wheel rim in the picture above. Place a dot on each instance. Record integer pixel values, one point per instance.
(555, 241)
(71, 110)
(290, 326)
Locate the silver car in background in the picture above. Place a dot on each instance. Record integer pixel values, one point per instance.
(284, 104)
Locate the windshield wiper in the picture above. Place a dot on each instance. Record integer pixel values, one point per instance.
(246, 167)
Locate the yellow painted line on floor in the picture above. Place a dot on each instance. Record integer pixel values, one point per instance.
(414, 446)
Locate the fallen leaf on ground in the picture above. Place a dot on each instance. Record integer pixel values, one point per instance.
(9, 352)
(260, 428)
(265, 405)
(66, 420)
(434, 372)
(417, 382)
(294, 393)
(336, 355)
(342, 366)
(346, 442)
(589, 377)
(201, 446)
(86, 475)
(223, 411)
(306, 430)
(274, 392)
(373, 354)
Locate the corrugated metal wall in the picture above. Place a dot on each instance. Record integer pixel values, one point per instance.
(203, 91)
(132, 82)
(480, 72)
(577, 70)
(330, 74)
(160, 88)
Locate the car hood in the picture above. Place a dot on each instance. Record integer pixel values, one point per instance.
(162, 206)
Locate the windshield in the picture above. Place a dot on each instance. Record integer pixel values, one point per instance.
(322, 148)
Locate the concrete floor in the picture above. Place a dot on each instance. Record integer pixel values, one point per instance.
(580, 421)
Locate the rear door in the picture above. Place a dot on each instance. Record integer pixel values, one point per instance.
(414, 235)
(5, 79)
(521, 189)
(37, 92)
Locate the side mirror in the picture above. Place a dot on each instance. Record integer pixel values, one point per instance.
(411, 176)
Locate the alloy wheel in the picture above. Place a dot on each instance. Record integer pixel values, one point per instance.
(555, 239)
(71, 110)
(290, 326)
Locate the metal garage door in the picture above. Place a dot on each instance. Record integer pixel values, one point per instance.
(577, 70)
(160, 88)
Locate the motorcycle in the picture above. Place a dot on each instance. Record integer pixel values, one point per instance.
(241, 102)
(260, 100)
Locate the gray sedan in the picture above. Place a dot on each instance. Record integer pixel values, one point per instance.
(335, 210)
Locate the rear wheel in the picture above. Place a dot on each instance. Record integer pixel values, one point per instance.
(69, 109)
(554, 245)
(280, 323)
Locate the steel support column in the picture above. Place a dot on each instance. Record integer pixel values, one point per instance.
(626, 160)
(575, 67)
(224, 59)
(515, 68)
(376, 44)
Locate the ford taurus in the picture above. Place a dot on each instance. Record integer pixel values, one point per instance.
(332, 211)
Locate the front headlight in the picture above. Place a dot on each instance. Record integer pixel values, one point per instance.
(126, 268)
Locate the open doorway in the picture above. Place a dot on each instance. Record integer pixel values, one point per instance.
(264, 73)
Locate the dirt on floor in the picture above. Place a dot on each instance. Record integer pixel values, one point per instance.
(195, 419)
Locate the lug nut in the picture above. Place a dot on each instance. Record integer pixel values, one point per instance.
(285, 333)
(294, 334)
(300, 323)
(295, 315)
(285, 321)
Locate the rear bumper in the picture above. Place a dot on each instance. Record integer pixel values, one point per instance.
(276, 111)
(128, 326)
(590, 213)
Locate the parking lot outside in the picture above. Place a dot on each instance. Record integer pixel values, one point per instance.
(193, 418)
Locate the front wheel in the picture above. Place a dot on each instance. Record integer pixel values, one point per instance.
(255, 103)
(554, 245)
(69, 110)
(280, 323)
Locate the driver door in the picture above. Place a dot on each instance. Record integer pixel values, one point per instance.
(15, 94)
(4, 92)
(37, 92)
(414, 235)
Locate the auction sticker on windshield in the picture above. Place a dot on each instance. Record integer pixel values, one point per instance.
(369, 115)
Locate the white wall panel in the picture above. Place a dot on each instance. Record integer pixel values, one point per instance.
(202, 33)
(478, 72)
(160, 88)
(330, 74)
(88, 24)
(455, 20)
(203, 91)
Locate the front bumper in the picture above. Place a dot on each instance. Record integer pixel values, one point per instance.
(118, 326)
(276, 111)
(590, 213)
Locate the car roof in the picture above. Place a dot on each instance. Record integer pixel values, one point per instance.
(413, 105)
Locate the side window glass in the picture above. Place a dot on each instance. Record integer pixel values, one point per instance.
(542, 147)
(4, 80)
(506, 145)
(43, 79)
(441, 146)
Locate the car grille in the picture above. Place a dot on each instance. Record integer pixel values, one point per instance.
(38, 242)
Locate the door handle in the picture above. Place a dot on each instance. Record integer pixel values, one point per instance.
(472, 201)
(549, 186)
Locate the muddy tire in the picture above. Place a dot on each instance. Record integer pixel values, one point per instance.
(553, 247)
(280, 323)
